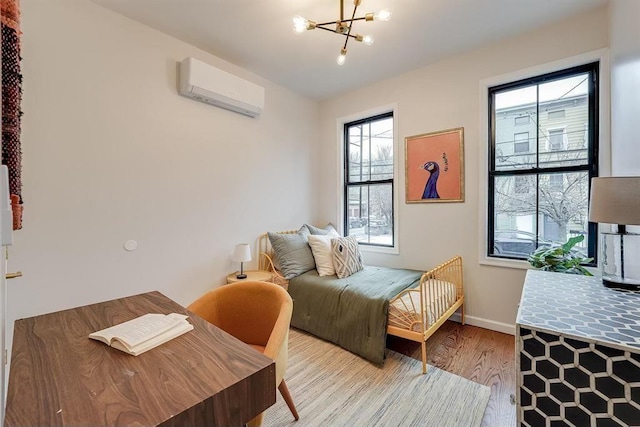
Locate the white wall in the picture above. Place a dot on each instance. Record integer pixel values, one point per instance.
(112, 152)
(625, 87)
(443, 96)
(624, 42)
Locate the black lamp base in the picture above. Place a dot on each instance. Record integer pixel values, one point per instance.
(626, 285)
(241, 275)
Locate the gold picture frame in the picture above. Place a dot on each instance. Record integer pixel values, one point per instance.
(434, 167)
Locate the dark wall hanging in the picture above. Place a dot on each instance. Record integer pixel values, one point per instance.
(11, 97)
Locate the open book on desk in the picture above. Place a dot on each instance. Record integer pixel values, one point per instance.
(144, 333)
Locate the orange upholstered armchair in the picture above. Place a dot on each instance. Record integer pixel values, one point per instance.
(258, 314)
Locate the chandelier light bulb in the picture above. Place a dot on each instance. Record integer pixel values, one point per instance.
(383, 15)
(368, 40)
(299, 24)
(342, 57)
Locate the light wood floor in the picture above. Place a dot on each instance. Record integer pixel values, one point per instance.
(480, 355)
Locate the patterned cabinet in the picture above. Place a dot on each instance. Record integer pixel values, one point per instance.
(578, 353)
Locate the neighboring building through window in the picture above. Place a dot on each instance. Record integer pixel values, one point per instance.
(556, 181)
(556, 139)
(521, 142)
(368, 186)
(558, 114)
(541, 196)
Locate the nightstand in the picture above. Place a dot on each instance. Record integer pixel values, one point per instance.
(261, 275)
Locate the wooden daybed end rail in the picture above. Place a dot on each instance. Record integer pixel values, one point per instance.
(415, 314)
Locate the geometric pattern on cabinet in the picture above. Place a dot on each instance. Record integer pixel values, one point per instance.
(569, 382)
(581, 306)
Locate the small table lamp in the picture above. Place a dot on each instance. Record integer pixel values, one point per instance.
(241, 254)
(616, 200)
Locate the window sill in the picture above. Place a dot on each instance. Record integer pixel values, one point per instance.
(379, 249)
(506, 263)
(520, 264)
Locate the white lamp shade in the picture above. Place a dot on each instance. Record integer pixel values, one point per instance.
(241, 253)
(615, 200)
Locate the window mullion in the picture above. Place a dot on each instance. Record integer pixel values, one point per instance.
(538, 127)
(567, 169)
(379, 181)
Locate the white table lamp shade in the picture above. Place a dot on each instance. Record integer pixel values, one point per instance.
(241, 253)
(615, 200)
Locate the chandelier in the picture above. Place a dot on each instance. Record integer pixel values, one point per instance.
(342, 26)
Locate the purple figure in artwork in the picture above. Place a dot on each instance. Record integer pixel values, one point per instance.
(430, 190)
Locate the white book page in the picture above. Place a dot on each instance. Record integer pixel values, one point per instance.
(140, 329)
(177, 330)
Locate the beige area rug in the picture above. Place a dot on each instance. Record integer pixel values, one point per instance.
(332, 387)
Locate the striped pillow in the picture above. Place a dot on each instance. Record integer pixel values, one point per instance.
(346, 256)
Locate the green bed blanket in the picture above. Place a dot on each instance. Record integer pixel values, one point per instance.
(350, 312)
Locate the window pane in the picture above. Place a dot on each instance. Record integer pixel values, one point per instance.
(515, 117)
(358, 209)
(564, 128)
(371, 213)
(564, 204)
(370, 151)
(515, 216)
(562, 213)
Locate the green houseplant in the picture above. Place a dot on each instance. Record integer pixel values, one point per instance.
(561, 258)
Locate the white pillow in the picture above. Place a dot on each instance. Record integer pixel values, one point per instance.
(321, 249)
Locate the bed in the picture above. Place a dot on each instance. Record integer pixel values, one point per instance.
(358, 312)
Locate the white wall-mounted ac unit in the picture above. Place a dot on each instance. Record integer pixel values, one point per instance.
(208, 84)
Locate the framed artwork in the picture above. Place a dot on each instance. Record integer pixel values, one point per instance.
(434, 166)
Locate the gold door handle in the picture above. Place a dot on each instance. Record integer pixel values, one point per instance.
(14, 275)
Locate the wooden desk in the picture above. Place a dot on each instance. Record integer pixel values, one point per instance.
(60, 377)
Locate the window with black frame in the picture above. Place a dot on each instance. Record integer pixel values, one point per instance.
(369, 175)
(543, 152)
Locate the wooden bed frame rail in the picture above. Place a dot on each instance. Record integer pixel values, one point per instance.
(265, 258)
(424, 309)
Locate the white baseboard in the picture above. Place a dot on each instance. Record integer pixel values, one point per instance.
(505, 328)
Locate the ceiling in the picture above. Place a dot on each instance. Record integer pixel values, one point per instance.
(258, 34)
